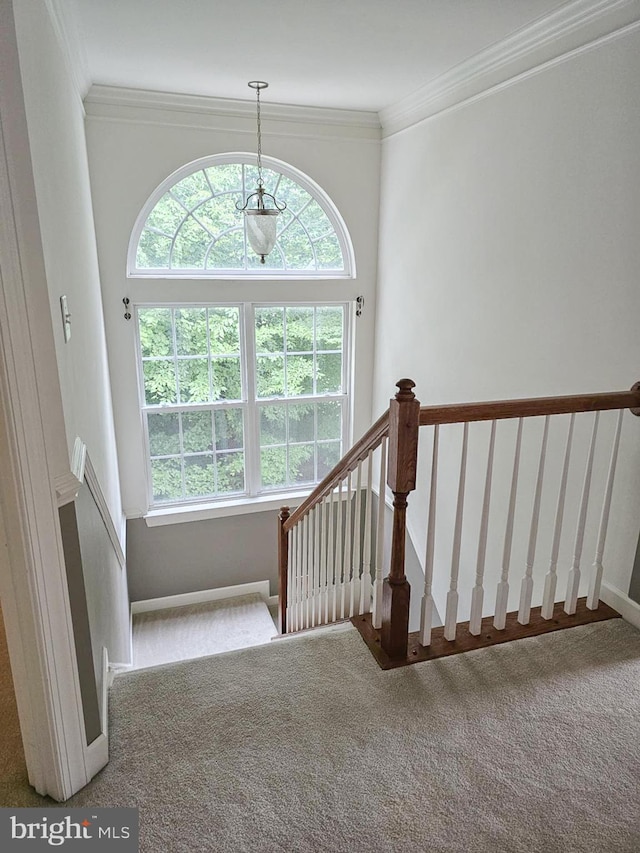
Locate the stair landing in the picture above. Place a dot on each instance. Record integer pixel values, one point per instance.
(198, 630)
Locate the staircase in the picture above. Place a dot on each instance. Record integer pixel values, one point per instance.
(532, 494)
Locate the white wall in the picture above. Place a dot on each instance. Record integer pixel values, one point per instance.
(55, 119)
(508, 266)
(135, 140)
(58, 147)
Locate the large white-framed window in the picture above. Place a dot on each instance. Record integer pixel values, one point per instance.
(190, 226)
(241, 400)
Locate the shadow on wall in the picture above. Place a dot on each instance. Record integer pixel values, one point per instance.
(178, 558)
(412, 569)
(634, 588)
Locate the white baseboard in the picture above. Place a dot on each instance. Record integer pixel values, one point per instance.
(97, 755)
(260, 587)
(273, 599)
(97, 752)
(104, 699)
(117, 669)
(626, 607)
(319, 631)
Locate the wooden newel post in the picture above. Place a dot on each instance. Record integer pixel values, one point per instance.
(404, 423)
(283, 568)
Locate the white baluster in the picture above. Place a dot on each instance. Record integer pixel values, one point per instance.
(315, 573)
(291, 573)
(305, 572)
(526, 589)
(593, 598)
(296, 578)
(310, 570)
(301, 534)
(426, 612)
(324, 595)
(347, 565)
(502, 594)
(477, 596)
(354, 562)
(338, 594)
(332, 561)
(365, 578)
(573, 581)
(551, 578)
(376, 618)
(451, 617)
(356, 583)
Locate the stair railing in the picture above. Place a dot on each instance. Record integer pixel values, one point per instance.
(327, 545)
(520, 410)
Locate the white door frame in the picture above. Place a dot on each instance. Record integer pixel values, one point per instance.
(35, 475)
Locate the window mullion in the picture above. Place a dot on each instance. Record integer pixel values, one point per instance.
(252, 425)
(315, 391)
(348, 411)
(174, 336)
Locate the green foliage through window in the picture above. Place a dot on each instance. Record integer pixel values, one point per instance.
(198, 412)
(195, 226)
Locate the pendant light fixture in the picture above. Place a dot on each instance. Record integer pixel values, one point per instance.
(261, 218)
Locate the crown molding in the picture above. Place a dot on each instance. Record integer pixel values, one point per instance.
(564, 31)
(71, 46)
(118, 103)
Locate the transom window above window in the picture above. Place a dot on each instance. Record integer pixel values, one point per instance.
(241, 400)
(191, 225)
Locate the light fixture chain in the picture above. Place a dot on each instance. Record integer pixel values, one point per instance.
(259, 139)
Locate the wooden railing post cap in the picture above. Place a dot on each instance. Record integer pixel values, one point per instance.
(284, 513)
(636, 409)
(405, 392)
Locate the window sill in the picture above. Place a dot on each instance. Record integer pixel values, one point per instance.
(221, 509)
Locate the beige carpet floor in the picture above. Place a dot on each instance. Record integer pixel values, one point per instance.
(305, 745)
(13, 772)
(197, 630)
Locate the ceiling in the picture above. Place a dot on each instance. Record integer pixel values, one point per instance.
(351, 54)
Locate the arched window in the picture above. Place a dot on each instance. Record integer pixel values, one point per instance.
(191, 227)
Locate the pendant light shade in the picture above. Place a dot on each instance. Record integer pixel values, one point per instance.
(261, 220)
(261, 230)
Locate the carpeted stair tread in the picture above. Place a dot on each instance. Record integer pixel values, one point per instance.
(198, 630)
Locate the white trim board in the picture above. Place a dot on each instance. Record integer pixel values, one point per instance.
(147, 107)
(566, 32)
(626, 607)
(260, 587)
(91, 479)
(68, 484)
(71, 46)
(33, 582)
(98, 750)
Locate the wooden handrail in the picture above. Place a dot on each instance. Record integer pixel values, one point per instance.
(531, 407)
(349, 462)
(400, 423)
